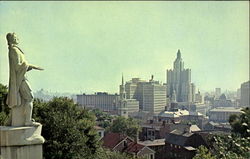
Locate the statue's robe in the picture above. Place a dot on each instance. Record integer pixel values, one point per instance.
(18, 66)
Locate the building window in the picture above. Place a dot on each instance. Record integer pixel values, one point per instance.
(153, 133)
(125, 143)
(100, 133)
(151, 156)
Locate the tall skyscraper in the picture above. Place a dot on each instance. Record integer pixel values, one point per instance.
(244, 94)
(179, 81)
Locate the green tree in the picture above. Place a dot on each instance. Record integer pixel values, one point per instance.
(241, 123)
(231, 147)
(203, 153)
(103, 119)
(128, 126)
(4, 109)
(107, 154)
(67, 129)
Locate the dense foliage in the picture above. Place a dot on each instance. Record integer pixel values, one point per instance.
(241, 123)
(231, 147)
(128, 126)
(203, 153)
(107, 154)
(4, 109)
(103, 119)
(67, 129)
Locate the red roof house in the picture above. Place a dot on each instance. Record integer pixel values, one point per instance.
(123, 143)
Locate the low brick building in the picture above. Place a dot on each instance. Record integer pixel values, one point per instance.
(182, 144)
(157, 145)
(157, 130)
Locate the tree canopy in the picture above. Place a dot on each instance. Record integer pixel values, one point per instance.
(128, 126)
(67, 129)
(203, 153)
(4, 109)
(103, 119)
(241, 123)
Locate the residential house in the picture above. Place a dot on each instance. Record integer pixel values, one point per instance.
(123, 143)
(182, 144)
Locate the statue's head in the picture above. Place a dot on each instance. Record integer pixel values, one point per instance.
(12, 38)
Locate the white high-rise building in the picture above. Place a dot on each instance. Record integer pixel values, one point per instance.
(179, 81)
(154, 97)
(150, 94)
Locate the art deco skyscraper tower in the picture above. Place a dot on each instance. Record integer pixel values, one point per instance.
(179, 82)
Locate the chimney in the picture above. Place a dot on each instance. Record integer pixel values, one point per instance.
(163, 123)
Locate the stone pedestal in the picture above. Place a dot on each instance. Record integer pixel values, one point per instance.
(21, 142)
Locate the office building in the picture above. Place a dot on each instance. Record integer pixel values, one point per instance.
(150, 94)
(179, 81)
(244, 94)
(222, 114)
(100, 100)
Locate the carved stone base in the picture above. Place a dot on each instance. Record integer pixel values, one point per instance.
(21, 142)
(22, 152)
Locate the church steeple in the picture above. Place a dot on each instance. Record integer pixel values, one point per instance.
(122, 80)
(122, 90)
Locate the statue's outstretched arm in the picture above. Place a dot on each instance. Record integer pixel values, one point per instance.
(34, 67)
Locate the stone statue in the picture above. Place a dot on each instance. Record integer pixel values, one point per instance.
(21, 139)
(20, 96)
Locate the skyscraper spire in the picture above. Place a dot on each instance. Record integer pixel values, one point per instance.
(178, 63)
(179, 54)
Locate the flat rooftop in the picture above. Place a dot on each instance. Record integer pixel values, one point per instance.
(226, 109)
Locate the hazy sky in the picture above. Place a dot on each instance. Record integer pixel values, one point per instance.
(86, 46)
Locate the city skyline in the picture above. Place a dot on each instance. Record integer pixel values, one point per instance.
(85, 46)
